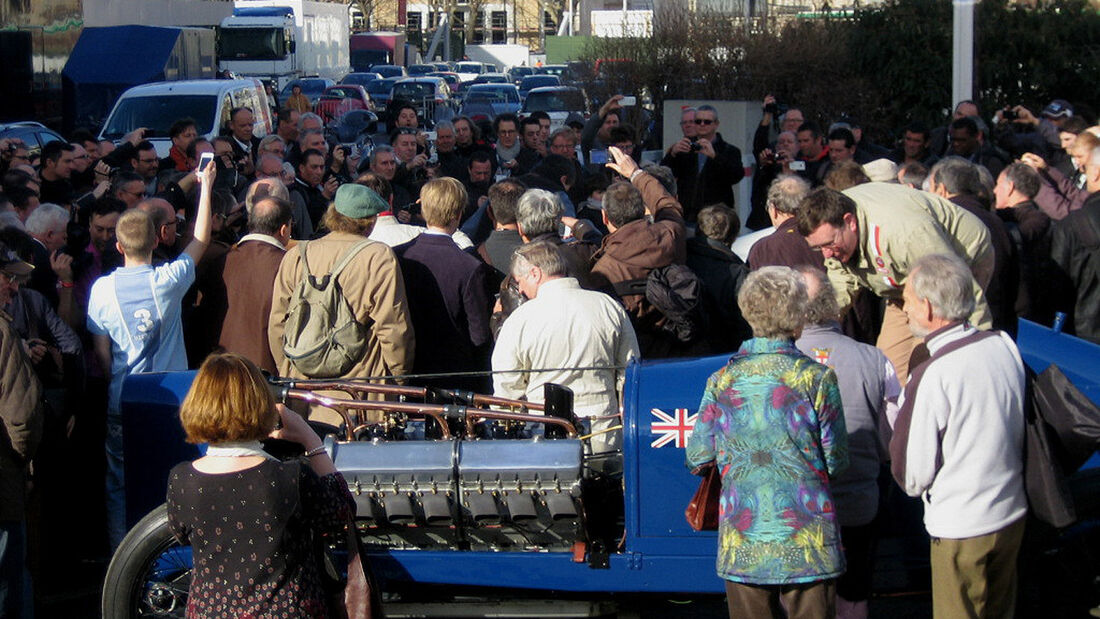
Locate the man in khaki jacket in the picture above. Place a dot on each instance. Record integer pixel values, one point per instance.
(871, 235)
(371, 283)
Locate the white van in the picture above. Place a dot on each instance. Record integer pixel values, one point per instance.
(208, 102)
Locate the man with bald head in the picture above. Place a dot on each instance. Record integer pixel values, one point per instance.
(249, 276)
(273, 183)
(165, 227)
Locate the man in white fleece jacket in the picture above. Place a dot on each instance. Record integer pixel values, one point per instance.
(958, 444)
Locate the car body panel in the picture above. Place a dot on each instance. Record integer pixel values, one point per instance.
(33, 134)
(312, 87)
(361, 78)
(340, 99)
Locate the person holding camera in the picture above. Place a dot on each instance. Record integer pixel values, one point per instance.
(706, 167)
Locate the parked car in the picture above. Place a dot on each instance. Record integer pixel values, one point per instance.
(552, 69)
(429, 95)
(361, 79)
(379, 91)
(487, 101)
(443, 66)
(420, 69)
(537, 81)
(156, 106)
(356, 127)
(34, 135)
(558, 101)
(312, 87)
(491, 78)
(516, 74)
(468, 70)
(341, 99)
(450, 77)
(389, 70)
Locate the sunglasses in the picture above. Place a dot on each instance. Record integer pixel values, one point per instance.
(704, 121)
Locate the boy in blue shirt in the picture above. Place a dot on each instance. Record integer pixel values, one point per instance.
(134, 319)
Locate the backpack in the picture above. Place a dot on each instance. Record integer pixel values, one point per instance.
(322, 337)
(678, 293)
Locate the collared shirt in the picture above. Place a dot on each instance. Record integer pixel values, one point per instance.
(247, 148)
(393, 233)
(263, 238)
(561, 330)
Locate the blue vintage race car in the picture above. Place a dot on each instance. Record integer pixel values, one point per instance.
(473, 507)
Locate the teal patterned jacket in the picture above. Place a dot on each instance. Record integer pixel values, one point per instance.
(772, 421)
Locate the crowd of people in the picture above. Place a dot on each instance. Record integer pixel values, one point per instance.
(503, 252)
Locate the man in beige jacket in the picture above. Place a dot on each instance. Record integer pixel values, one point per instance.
(371, 284)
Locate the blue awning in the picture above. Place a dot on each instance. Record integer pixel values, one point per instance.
(123, 55)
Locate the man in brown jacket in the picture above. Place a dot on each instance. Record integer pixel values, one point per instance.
(372, 284)
(635, 246)
(249, 275)
(20, 393)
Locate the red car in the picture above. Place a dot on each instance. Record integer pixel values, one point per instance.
(335, 101)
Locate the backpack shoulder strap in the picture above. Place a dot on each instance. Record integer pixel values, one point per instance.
(302, 253)
(346, 260)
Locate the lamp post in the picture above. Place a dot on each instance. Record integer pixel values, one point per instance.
(962, 62)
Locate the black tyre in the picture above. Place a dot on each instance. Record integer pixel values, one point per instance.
(149, 574)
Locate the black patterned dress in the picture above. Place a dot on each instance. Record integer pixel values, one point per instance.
(251, 534)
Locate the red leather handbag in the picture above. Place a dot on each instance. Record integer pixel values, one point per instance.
(702, 511)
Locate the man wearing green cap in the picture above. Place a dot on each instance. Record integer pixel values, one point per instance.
(371, 284)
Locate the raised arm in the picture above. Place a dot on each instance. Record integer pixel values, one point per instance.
(201, 232)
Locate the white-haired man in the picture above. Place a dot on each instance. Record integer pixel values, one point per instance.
(958, 443)
(564, 326)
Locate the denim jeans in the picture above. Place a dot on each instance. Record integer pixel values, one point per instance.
(116, 481)
(16, 600)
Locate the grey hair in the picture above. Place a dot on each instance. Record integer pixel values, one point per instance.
(1024, 177)
(567, 132)
(308, 132)
(822, 307)
(773, 300)
(787, 192)
(538, 212)
(913, 174)
(444, 124)
(270, 139)
(957, 175)
(380, 149)
(264, 188)
(45, 218)
(946, 282)
(664, 175)
(308, 116)
(543, 255)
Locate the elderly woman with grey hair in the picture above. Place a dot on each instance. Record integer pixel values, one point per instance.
(771, 421)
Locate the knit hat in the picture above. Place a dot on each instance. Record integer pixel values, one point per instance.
(358, 201)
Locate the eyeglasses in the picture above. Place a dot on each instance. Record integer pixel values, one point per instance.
(149, 161)
(832, 246)
(704, 121)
